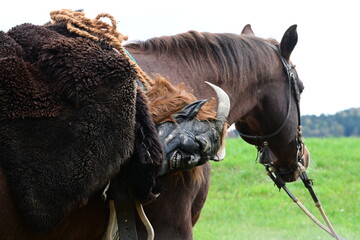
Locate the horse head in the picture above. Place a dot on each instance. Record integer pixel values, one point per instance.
(273, 124)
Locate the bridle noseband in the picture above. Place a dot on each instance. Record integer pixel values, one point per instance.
(293, 89)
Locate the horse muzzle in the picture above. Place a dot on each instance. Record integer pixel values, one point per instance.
(289, 172)
(303, 162)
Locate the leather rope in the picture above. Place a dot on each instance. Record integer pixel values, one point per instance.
(98, 30)
(145, 220)
(280, 183)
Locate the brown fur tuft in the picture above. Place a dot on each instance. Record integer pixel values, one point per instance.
(166, 99)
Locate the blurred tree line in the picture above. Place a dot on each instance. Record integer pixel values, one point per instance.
(342, 124)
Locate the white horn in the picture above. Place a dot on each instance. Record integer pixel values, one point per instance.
(223, 103)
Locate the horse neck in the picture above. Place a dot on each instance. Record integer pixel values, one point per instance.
(177, 71)
(242, 93)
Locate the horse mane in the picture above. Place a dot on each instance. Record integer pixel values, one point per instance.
(229, 56)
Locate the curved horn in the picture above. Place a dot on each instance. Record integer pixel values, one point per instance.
(223, 103)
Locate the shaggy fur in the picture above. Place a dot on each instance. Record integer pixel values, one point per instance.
(141, 170)
(67, 113)
(23, 95)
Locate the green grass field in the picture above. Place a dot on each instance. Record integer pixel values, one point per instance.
(243, 203)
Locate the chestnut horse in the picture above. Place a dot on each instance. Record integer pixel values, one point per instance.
(251, 71)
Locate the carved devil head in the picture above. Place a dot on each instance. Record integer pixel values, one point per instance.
(189, 142)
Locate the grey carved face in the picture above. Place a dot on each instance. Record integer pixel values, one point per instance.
(189, 142)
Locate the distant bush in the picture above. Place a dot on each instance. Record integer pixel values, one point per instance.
(342, 124)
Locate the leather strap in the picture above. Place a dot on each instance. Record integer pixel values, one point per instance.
(125, 207)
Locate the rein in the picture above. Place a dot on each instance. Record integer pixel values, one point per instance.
(308, 183)
(273, 173)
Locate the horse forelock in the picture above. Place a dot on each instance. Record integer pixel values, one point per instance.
(241, 59)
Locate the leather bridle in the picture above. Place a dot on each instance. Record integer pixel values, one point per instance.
(273, 172)
(293, 89)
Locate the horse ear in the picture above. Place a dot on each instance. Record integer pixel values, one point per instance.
(288, 42)
(247, 30)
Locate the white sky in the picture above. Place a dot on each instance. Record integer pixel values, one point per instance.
(327, 54)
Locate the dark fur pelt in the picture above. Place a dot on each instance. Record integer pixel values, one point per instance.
(67, 122)
(139, 174)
